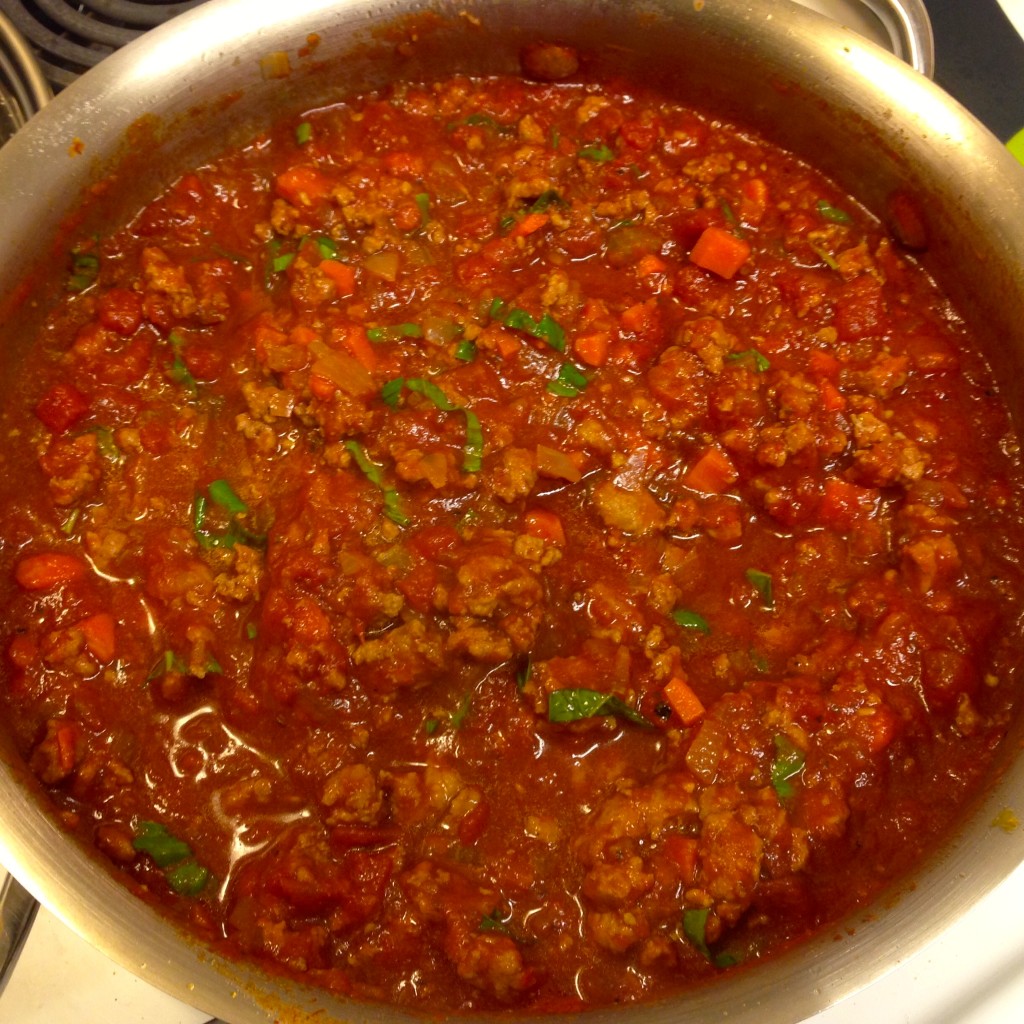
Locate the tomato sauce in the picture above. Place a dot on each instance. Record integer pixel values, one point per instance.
(505, 545)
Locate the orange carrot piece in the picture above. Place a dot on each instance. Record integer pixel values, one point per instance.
(530, 223)
(49, 570)
(360, 347)
(831, 397)
(720, 251)
(100, 635)
(650, 264)
(67, 746)
(712, 473)
(545, 525)
(683, 701)
(302, 185)
(300, 334)
(342, 274)
(593, 348)
(321, 387)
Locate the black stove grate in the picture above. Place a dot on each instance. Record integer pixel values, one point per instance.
(70, 36)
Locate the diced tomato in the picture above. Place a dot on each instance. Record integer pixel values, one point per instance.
(120, 310)
(545, 524)
(49, 570)
(100, 635)
(823, 364)
(720, 251)
(473, 825)
(641, 135)
(62, 407)
(681, 852)
(843, 502)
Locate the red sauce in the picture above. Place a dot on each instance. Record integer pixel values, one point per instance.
(500, 545)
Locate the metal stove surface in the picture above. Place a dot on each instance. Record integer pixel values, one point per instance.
(971, 975)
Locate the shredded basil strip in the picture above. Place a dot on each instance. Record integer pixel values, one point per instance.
(223, 494)
(789, 762)
(496, 921)
(188, 878)
(572, 705)
(85, 268)
(695, 923)
(760, 360)
(598, 152)
(546, 328)
(282, 262)
(473, 450)
(762, 583)
(327, 247)
(465, 351)
(687, 619)
(107, 445)
(395, 332)
(169, 662)
(833, 213)
(569, 382)
(423, 202)
(166, 849)
(303, 133)
(547, 198)
(392, 503)
(179, 371)
(524, 672)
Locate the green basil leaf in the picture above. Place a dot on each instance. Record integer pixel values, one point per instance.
(572, 705)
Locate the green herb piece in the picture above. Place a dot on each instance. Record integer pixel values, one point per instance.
(392, 503)
(598, 152)
(223, 494)
(758, 660)
(466, 351)
(458, 716)
(826, 257)
(547, 198)
(107, 445)
(496, 921)
(687, 619)
(188, 878)
(506, 222)
(423, 202)
(789, 762)
(251, 630)
(546, 328)
(69, 524)
(85, 268)
(169, 662)
(395, 332)
(833, 213)
(487, 121)
(569, 382)
(327, 247)
(303, 133)
(572, 705)
(760, 361)
(472, 452)
(281, 263)
(695, 924)
(556, 137)
(179, 371)
(524, 673)
(496, 308)
(153, 838)
(762, 583)
(431, 725)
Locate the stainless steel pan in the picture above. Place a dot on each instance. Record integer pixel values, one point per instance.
(857, 112)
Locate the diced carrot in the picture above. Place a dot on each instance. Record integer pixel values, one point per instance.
(302, 185)
(321, 387)
(712, 473)
(100, 637)
(359, 346)
(300, 334)
(545, 525)
(49, 570)
(720, 251)
(342, 274)
(507, 344)
(831, 397)
(529, 224)
(822, 363)
(641, 319)
(66, 739)
(592, 348)
(755, 200)
(650, 264)
(683, 701)
(841, 502)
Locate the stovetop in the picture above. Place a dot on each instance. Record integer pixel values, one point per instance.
(971, 975)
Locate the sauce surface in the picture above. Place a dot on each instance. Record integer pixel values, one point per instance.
(498, 545)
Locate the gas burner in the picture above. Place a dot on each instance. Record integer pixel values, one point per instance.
(70, 36)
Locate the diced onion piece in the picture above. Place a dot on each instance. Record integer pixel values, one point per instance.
(383, 265)
(552, 462)
(275, 65)
(341, 369)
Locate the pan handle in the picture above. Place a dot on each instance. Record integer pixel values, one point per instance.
(17, 912)
(910, 30)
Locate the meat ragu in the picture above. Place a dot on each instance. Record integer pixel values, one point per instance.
(505, 544)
